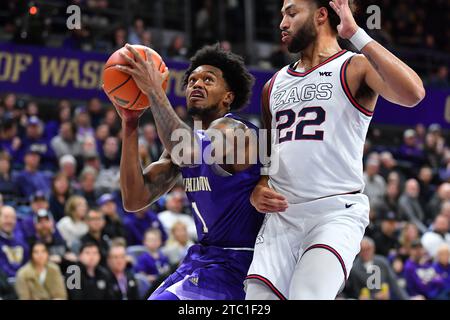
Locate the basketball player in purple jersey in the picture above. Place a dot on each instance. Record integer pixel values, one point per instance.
(217, 83)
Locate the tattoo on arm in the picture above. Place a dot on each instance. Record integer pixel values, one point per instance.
(374, 65)
(167, 121)
(162, 180)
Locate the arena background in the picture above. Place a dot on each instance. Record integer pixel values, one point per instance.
(60, 142)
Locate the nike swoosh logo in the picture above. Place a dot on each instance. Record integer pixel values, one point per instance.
(348, 206)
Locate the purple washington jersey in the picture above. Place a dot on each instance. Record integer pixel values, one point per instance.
(220, 201)
(227, 226)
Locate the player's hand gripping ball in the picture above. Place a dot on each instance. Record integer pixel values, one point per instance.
(120, 86)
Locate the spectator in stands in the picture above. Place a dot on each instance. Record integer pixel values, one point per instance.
(47, 234)
(177, 50)
(174, 205)
(96, 223)
(13, 249)
(120, 38)
(68, 166)
(408, 235)
(440, 197)
(60, 193)
(409, 205)
(421, 278)
(375, 184)
(434, 150)
(112, 120)
(40, 279)
(136, 31)
(124, 285)
(111, 153)
(114, 227)
(7, 291)
(391, 198)
(8, 108)
(10, 141)
(427, 189)
(73, 226)
(150, 139)
(409, 151)
(388, 164)
(32, 109)
(95, 110)
(101, 134)
(92, 160)
(95, 283)
(147, 39)
(88, 178)
(445, 210)
(137, 223)
(435, 130)
(438, 235)
(66, 142)
(442, 267)
(421, 133)
(37, 202)
(64, 115)
(178, 243)
(152, 263)
(8, 187)
(361, 284)
(34, 138)
(385, 238)
(31, 179)
(83, 123)
(440, 78)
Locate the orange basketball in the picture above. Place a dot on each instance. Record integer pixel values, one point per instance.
(120, 87)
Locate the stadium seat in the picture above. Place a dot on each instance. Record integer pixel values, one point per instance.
(143, 285)
(136, 251)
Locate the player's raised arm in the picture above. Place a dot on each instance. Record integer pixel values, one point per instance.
(382, 71)
(150, 80)
(141, 188)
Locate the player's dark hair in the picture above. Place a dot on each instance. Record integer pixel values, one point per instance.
(333, 18)
(236, 75)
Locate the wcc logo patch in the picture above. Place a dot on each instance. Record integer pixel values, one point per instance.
(325, 74)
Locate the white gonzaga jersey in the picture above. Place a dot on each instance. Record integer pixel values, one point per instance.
(321, 132)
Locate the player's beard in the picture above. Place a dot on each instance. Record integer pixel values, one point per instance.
(201, 112)
(304, 36)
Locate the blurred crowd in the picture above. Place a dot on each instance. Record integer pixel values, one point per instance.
(63, 230)
(405, 253)
(412, 29)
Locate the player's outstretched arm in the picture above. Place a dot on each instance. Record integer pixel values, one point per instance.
(141, 188)
(383, 72)
(150, 80)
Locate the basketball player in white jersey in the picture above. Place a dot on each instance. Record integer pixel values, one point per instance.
(321, 107)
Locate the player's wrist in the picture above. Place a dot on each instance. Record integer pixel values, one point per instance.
(360, 39)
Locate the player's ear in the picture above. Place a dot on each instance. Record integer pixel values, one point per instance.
(229, 98)
(321, 16)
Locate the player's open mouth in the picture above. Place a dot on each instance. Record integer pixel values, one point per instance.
(197, 95)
